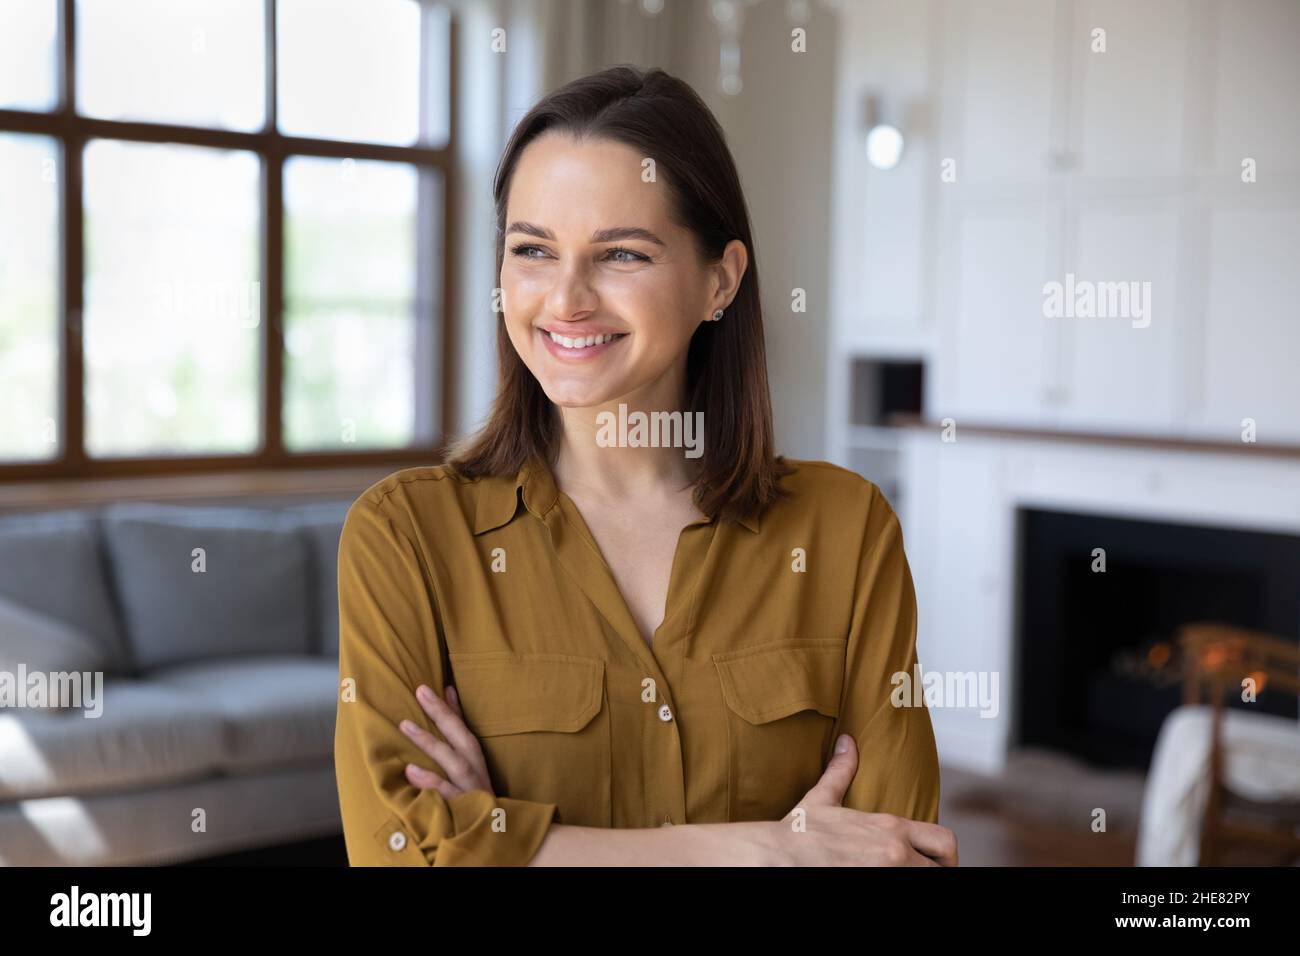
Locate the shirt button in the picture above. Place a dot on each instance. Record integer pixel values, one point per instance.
(667, 822)
(665, 714)
(397, 842)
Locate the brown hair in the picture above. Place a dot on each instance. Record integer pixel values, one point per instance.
(660, 117)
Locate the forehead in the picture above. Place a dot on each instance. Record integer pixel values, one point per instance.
(561, 182)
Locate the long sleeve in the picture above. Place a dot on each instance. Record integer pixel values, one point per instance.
(898, 763)
(389, 642)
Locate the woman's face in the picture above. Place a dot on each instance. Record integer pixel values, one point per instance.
(601, 290)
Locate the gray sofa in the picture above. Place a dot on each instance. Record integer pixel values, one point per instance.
(215, 630)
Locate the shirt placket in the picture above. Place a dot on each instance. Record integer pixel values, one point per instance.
(661, 750)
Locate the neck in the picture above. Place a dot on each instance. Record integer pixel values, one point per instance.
(616, 471)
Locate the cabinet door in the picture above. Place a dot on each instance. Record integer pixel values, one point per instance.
(1256, 77)
(1252, 343)
(1001, 90)
(1127, 103)
(1122, 371)
(995, 366)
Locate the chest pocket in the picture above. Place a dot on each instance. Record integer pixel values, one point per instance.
(782, 700)
(543, 724)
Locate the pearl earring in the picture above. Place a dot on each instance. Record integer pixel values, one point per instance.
(717, 316)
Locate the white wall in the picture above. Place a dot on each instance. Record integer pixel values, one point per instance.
(780, 129)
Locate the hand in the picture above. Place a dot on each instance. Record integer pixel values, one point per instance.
(834, 835)
(461, 757)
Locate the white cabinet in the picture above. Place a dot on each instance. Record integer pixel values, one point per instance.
(996, 256)
(1249, 349)
(1121, 372)
(1127, 103)
(1256, 76)
(1121, 169)
(1000, 91)
(1073, 164)
(1252, 341)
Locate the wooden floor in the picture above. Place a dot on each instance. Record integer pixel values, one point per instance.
(1042, 811)
(993, 839)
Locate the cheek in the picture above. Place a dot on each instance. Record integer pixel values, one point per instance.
(521, 293)
(656, 305)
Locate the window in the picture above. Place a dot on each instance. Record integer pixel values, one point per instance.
(222, 239)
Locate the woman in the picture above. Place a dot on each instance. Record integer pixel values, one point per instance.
(642, 628)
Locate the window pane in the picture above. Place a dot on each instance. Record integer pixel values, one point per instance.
(29, 297)
(195, 62)
(358, 323)
(28, 39)
(173, 300)
(350, 69)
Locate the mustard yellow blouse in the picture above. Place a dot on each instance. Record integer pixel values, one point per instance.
(779, 634)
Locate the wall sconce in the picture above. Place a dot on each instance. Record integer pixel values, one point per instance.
(884, 141)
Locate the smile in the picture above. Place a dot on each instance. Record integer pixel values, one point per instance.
(579, 346)
(583, 343)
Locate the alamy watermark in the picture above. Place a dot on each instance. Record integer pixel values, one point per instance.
(1085, 299)
(237, 303)
(651, 430)
(53, 690)
(947, 689)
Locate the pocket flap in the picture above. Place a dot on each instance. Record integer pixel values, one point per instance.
(502, 693)
(772, 681)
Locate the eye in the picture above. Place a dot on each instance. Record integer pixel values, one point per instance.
(622, 254)
(526, 251)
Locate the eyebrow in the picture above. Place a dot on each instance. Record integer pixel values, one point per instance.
(613, 234)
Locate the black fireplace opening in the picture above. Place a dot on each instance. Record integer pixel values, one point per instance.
(1089, 640)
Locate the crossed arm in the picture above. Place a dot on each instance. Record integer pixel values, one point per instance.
(839, 836)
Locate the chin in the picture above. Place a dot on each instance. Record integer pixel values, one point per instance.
(575, 397)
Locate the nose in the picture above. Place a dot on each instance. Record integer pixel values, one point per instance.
(571, 296)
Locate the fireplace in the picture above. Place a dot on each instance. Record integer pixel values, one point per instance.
(1089, 640)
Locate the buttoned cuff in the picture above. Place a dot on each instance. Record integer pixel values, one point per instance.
(494, 831)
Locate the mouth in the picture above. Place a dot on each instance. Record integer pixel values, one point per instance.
(580, 346)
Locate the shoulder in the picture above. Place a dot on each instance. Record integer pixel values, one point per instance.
(829, 485)
(831, 495)
(417, 480)
(423, 496)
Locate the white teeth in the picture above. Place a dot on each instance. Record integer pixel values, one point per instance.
(580, 343)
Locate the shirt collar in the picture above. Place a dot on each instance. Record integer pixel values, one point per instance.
(499, 498)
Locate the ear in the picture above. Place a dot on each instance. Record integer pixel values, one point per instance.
(727, 272)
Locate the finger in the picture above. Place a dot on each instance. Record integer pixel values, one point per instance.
(837, 776)
(458, 768)
(428, 780)
(453, 700)
(935, 841)
(449, 722)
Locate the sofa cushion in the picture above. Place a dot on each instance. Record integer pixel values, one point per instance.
(276, 710)
(146, 734)
(323, 526)
(38, 643)
(251, 596)
(52, 564)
